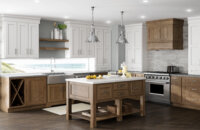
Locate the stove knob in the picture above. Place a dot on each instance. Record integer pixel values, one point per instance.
(160, 77)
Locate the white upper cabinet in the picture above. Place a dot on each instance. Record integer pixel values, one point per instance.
(103, 49)
(78, 46)
(20, 37)
(78, 33)
(136, 48)
(193, 45)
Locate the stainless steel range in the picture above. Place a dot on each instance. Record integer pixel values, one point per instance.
(158, 87)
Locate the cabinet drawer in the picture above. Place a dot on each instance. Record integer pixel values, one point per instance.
(120, 94)
(137, 88)
(120, 86)
(194, 81)
(104, 91)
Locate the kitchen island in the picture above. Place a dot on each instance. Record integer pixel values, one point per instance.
(95, 91)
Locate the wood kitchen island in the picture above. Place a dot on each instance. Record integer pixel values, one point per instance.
(95, 91)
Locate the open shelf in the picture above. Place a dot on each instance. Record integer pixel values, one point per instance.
(17, 92)
(53, 40)
(98, 118)
(53, 48)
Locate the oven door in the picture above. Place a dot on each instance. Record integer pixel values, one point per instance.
(158, 92)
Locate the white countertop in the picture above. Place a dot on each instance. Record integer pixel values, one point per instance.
(104, 80)
(13, 75)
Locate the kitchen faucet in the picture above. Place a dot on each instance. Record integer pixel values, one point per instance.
(53, 65)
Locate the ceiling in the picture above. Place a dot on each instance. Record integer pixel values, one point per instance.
(105, 9)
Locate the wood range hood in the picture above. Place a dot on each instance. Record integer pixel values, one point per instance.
(166, 34)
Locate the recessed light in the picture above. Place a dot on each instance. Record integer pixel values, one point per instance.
(143, 17)
(37, 1)
(66, 17)
(145, 1)
(188, 10)
(108, 22)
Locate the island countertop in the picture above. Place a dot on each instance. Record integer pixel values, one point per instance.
(104, 80)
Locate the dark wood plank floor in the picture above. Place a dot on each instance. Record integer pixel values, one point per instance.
(158, 117)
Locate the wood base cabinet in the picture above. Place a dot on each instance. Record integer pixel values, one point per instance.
(185, 92)
(56, 94)
(18, 94)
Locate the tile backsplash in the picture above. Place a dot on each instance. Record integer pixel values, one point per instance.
(159, 60)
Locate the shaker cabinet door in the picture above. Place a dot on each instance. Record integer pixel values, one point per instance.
(35, 91)
(33, 50)
(11, 44)
(22, 36)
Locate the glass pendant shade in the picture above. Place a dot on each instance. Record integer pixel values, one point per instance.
(122, 32)
(92, 37)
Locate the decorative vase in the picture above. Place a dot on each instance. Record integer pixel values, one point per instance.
(60, 34)
(56, 33)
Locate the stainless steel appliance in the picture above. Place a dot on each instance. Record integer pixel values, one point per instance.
(57, 78)
(158, 87)
(172, 69)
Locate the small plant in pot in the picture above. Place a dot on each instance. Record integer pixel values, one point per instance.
(61, 28)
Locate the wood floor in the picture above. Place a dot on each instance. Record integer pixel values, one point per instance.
(158, 117)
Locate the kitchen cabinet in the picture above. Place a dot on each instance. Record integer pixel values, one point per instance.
(176, 90)
(135, 49)
(56, 94)
(191, 91)
(185, 91)
(165, 34)
(78, 45)
(35, 91)
(193, 45)
(23, 93)
(103, 50)
(20, 37)
(78, 33)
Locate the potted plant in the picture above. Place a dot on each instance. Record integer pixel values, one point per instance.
(61, 28)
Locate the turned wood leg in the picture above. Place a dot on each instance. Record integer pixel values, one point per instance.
(93, 122)
(118, 103)
(68, 109)
(142, 106)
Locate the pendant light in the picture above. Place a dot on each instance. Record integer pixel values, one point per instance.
(92, 37)
(122, 36)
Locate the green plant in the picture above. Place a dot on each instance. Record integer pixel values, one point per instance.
(62, 26)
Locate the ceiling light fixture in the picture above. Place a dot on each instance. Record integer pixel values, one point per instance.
(188, 10)
(108, 22)
(92, 37)
(122, 36)
(66, 17)
(145, 1)
(37, 1)
(143, 17)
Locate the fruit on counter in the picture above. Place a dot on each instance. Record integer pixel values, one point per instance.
(91, 77)
(128, 75)
(119, 71)
(100, 77)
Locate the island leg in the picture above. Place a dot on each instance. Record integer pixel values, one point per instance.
(93, 122)
(118, 103)
(68, 103)
(142, 106)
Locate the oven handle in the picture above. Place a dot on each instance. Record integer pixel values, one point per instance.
(157, 82)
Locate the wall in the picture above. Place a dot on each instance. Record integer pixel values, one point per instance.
(45, 29)
(159, 60)
(118, 51)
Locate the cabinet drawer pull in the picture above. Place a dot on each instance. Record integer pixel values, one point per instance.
(194, 89)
